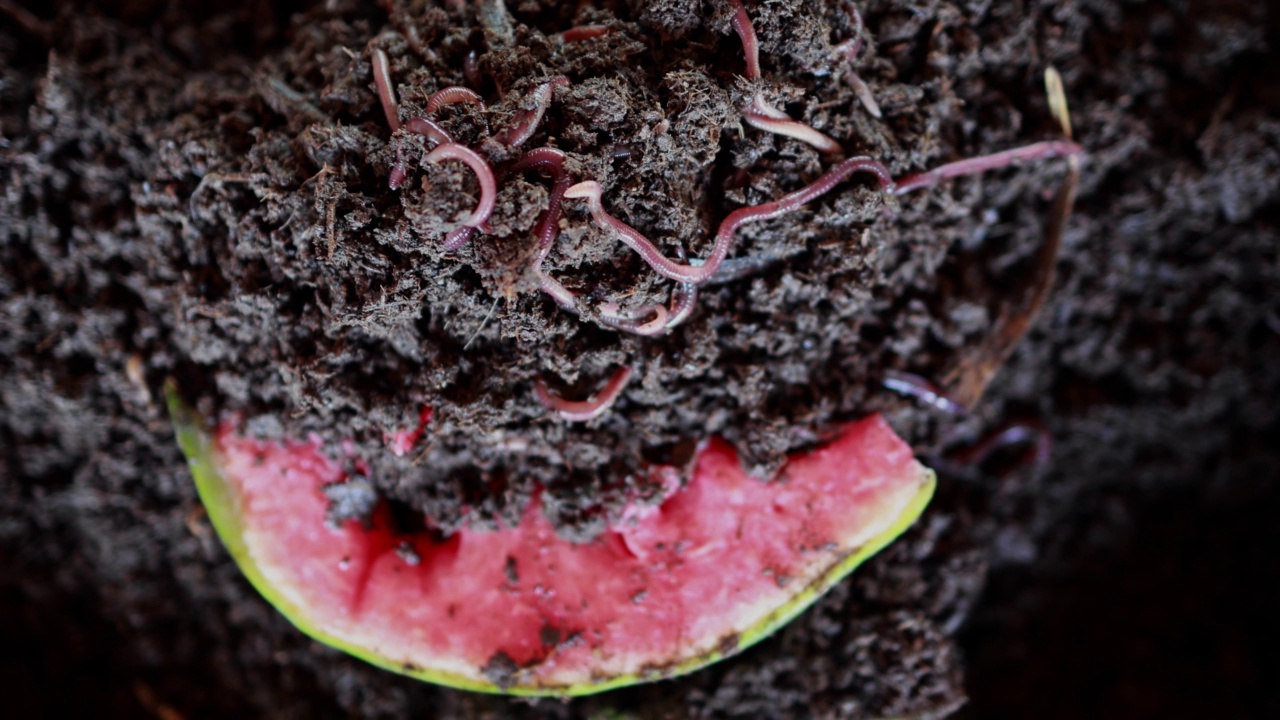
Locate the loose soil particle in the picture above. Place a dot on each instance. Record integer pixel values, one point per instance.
(174, 181)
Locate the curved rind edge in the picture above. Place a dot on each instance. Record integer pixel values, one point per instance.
(221, 501)
(787, 612)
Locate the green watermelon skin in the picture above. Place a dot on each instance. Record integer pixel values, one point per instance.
(718, 565)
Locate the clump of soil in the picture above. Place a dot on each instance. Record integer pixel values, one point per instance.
(318, 300)
(203, 193)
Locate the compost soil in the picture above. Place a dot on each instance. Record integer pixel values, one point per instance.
(202, 194)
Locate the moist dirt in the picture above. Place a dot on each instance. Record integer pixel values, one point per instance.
(203, 194)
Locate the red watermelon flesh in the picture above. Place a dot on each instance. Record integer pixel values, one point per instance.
(717, 565)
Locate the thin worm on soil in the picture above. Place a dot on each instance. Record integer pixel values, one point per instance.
(421, 125)
(585, 32)
(911, 385)
(614, 316)
(425, 127)
(1021, 303)
(526, 122)
(564, 297)
(994, 161)
(581, 410)
(429, 129)
(979, 452)
(863, 92)
(488, 190)
(1033, 434)
(850, 49)
(471, 69)
(690, 273)
(684, 298)
(382, 81)
(683, 301)
(452, 95)
(550, 160)
(761, 115)
(741, 23)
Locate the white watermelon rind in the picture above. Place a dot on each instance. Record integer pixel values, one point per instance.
(223, 504)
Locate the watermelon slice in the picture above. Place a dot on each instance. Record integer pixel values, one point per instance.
(717, 566)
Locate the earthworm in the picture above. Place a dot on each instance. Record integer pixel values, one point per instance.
(629, 320)
(683, 301)
(552, 161)
(1034, 433)
(425, 127)
(591, 192)
(684, 298)
(968, 166)
(660, 319)
(429, 129)
(563, 296)
(850, 49)
(905, 383)
(399, 171)
(863, 92)
(488, 190)
(382, 81)
(419, 125)
(762, 115)
(526, 122)
(741, 23)
(580, 410)
(1014, 434)
(471, 69)
(452, 95)
(585, 32)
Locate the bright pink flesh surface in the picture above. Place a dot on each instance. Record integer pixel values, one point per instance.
(713, 559)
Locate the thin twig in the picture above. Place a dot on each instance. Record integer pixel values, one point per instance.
(484, 322)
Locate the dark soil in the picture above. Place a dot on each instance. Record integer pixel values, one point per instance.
(202, 194)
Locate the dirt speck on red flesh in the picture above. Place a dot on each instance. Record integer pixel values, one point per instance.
(156, 203)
